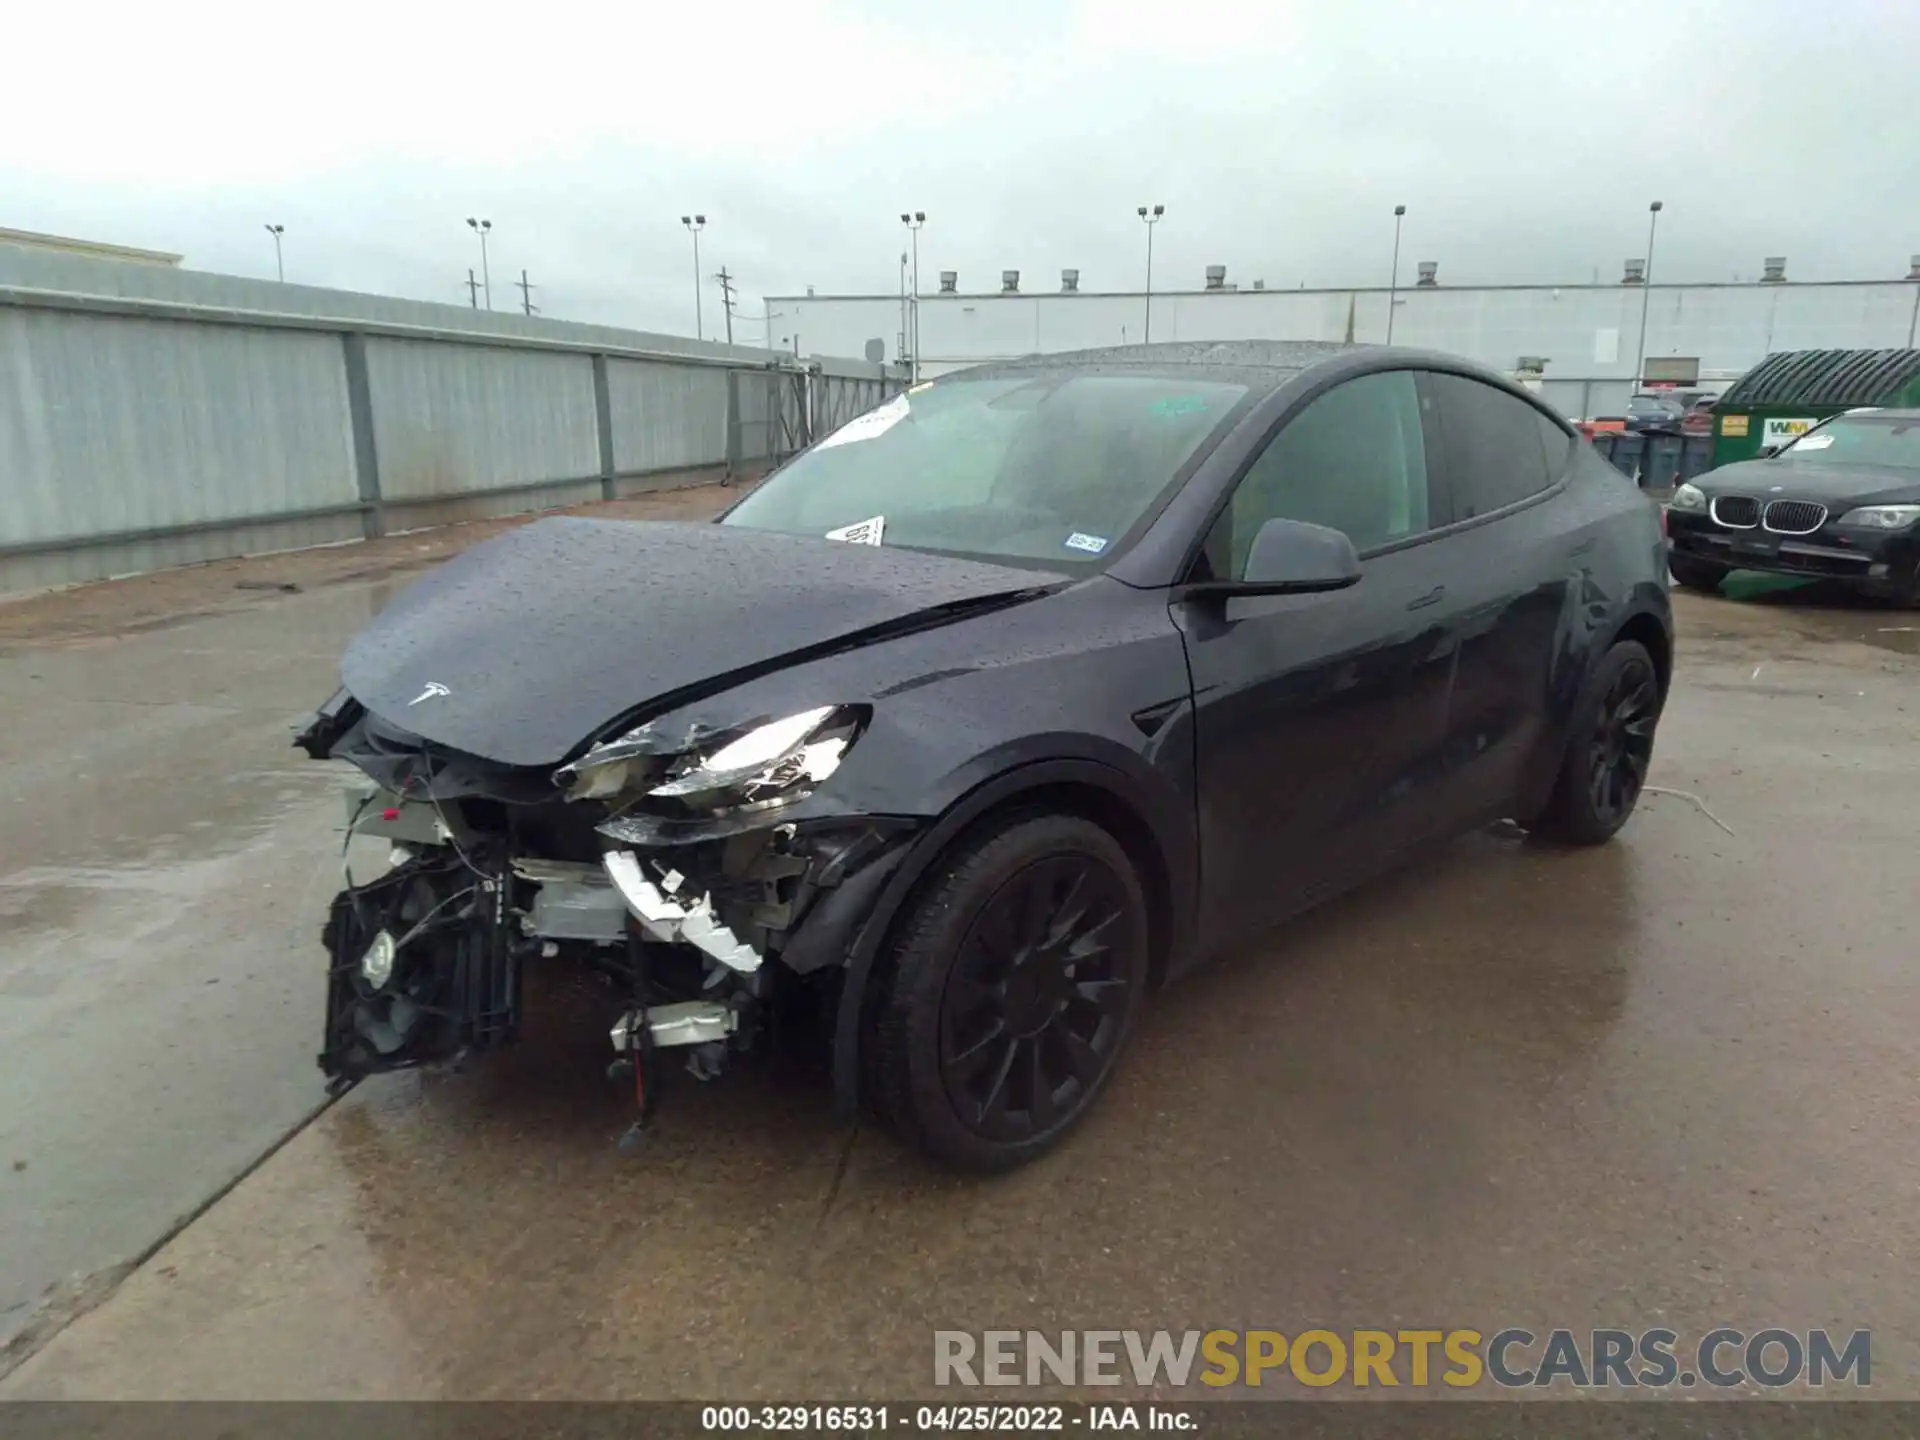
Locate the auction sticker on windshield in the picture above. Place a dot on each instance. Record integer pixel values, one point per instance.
(1092, 544)
(868, 426)
(861, 532)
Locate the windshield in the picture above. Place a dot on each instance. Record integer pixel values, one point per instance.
(1053, 469)
(1649, 405)
(1891, 440)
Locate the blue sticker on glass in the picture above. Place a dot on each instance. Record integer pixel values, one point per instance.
(1092, 544)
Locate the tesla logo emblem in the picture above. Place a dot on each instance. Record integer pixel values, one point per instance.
(434, 687)
(1775, 489)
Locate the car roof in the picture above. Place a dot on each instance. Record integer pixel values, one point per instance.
(1260, 365)
(1908, 413)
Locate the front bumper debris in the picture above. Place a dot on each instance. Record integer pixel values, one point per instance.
(664, 916)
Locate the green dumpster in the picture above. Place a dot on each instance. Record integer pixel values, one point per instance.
(1785, 394)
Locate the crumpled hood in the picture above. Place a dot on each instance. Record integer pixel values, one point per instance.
(1837, 486)
(521, 648)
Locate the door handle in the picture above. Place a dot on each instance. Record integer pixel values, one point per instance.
(1432, 597)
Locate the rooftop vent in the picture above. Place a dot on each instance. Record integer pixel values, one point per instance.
(1069, 281)
(1216, 277)
(1775, 271)
(949, 282)
(1636, 273)
(1009, 282)
(1914, 272)
(1531, 365)
(1261, 284)
(809, 292)
(1429, 273)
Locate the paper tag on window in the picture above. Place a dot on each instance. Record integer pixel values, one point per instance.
(868, 426)
(1813, 442)
(863, 532)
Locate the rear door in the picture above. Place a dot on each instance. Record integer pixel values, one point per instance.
(1501, 459)
(1319, 717)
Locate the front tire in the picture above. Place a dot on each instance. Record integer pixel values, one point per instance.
(1609, 747)
(1697, 574)
(1015, 978)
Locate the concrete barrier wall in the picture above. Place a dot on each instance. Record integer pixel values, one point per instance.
(148, 422)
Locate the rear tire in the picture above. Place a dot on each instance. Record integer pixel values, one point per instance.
(1609, 746)
(1015, 977)
(1696, 574)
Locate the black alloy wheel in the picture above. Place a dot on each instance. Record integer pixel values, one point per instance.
(1622, 744)
(1016, 979)
(1609, 748)
(1036, 999)
(1697, 574)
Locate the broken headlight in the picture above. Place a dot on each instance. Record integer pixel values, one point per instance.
(775, 762)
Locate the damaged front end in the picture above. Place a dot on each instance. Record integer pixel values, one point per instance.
(682, 864)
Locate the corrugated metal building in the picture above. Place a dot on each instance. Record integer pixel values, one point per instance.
(1588, 335)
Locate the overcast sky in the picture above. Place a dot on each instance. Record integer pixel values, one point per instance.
(1524, 139)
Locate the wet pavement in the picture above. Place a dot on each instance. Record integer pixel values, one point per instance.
(1669, 1081)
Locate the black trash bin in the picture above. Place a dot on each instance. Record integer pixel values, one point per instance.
(1696, 456)
(1660, 469)
(1628, 450)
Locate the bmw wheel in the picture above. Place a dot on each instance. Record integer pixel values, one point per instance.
(1609, 748)
(1697, 574)
(1015, 979)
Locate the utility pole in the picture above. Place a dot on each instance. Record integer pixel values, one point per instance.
(473, 288)
(483, 228)
(1646, 298)
(526, 294)
(913, 220)
(726, 299)
(1393, 284)
(1150, 219)
(695, 224)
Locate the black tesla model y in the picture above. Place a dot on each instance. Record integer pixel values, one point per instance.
(985, 716)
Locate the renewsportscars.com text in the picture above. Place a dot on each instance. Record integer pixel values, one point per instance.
(1512, 1358)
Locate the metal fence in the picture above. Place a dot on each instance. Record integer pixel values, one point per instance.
(139, 431)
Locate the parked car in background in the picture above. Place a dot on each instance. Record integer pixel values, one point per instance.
(1842, 501)
(986, 714)
(1697, 418)
(1654, 415)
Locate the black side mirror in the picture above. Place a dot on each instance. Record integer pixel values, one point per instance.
(1291, 557)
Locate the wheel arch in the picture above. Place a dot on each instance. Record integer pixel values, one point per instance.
(1097, 792)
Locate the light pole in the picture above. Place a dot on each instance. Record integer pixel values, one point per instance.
(1393, 285)
(913, 223)
(279, 266)
(1150, 219)
(480, 228)
(1646, 298)
(695, 224)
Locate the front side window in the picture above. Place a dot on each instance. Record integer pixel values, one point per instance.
(1885, 440)
(1049, 469)
(1354, 460)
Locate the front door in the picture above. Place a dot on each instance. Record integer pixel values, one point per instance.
(1319, 717)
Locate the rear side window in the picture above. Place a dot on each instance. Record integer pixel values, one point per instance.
(1492, 443)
